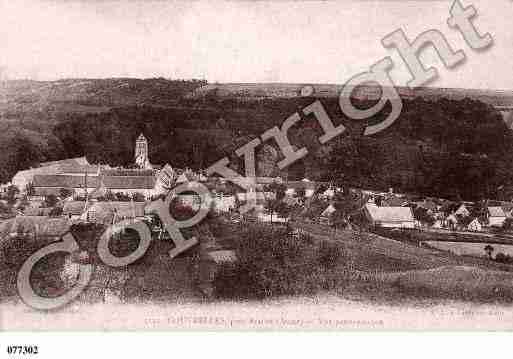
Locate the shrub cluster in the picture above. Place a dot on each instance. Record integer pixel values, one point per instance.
(273, 262)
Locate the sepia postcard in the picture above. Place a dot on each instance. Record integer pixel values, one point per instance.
(255, 165)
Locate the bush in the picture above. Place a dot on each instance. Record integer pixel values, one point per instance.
(14, 251)
(56, 212)
(503, 258)
(271, 262)
(329, 254)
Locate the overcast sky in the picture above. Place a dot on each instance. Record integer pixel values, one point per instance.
(278, 41)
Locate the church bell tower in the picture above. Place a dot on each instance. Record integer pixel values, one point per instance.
(141, 152)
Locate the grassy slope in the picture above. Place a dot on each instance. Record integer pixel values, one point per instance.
(393, 271)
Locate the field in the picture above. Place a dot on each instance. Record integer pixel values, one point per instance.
(470, 249)
(393, 272)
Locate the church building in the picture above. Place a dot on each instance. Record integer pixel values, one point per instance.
(81, 178)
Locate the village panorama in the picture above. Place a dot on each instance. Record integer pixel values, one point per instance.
(169, 203)
(335, 231)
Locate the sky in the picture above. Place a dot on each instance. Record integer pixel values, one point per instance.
(241, 41)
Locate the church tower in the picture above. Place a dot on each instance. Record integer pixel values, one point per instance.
(141, 152)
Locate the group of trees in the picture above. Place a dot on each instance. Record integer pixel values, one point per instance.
(117, 196)
(9, 200)
(271, 262)
(275, 205)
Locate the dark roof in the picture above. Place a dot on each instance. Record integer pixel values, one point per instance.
(128, 182)
(394, 201)
(507, 206)
(127, 172)
(64, 181)
(114, 182)
(68, 161)
(74, 168)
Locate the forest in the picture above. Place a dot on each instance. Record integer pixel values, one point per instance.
(457, 149)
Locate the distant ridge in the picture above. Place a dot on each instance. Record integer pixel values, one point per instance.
(498, 98)
(99, 95)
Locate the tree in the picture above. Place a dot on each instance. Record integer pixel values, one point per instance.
(23, 203)
(480, 210)
(300, 194)
(321, 189)
(138, 197)
(50, 201)
(503, 258)
(55, 212)
(278, 189)
(237, 202)
(109, 196)
(423, 215)
(122, 197)
(349, 203)
(5, 210)
(489, 250)
(338, 220)
(276, 204)
(508, 224)
(12, 191)
(29, 189)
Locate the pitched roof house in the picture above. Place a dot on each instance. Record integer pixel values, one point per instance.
(113, 211)
(507, 207)
(496, 216)
(462, 210)
(390, 217)
(475, 225)
(24, 177)
(52, 184)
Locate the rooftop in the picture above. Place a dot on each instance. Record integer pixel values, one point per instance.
(390, 214)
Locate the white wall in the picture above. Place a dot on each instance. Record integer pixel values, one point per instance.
(496, 221)
(409, 225)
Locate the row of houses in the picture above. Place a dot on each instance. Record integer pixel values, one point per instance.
(391, 210)
(443, 214)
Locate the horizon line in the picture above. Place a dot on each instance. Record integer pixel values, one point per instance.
(245, 82)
